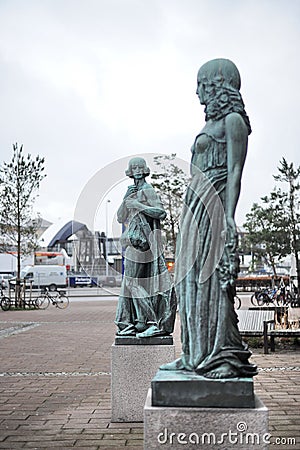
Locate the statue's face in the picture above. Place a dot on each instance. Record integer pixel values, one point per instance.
(138, 168)
(201, 92)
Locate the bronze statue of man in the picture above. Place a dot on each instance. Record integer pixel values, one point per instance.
(146, 304)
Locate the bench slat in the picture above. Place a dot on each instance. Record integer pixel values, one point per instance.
(252, 321)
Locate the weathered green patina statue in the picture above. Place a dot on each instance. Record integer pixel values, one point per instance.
(207, 261)
(147, 304)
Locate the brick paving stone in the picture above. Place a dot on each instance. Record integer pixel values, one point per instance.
(101, 423)
(78, 447)
(52, 444)
(10, 446)
(134, 445)
(112, 443)
(126, 425)
(55, 382)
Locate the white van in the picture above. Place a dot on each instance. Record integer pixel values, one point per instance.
(49, 276)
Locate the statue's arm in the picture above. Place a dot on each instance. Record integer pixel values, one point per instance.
(122, 213)
(153, 208)
(237, 142)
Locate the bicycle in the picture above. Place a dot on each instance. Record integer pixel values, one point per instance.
(59, 300)
(286, 299)
(273, 296)
(237, 302)
(5, 302)
(21, 303)
(254, 297)
(264, 296)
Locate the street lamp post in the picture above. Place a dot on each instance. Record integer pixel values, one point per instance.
(106, 237)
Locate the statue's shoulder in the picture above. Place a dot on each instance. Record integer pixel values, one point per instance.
(147, 186)
(234, 119)
(235, 124)
(149, 192)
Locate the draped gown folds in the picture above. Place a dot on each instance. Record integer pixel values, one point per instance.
(206, 264)
(147, 302)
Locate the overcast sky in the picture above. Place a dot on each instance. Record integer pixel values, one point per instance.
(85, 83)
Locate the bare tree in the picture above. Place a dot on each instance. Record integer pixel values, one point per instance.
(274, 227)
(19, 182)
(171, 182)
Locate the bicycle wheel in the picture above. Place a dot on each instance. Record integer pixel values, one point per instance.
(280, 301)
(5, 303)
(30, 303)
(62, 302)
(237, 302)
(288, 298)
(295, 302)
(42, 302)
(254, 299)
(263, 299)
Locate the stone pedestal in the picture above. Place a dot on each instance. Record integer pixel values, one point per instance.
(132, 369)
(193, 427)
(183, 388)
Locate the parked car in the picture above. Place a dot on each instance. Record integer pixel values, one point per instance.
(119, 279)
(104, 280)
(4, 279)
(80, 280)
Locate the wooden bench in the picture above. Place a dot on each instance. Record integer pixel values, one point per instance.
(289, 333)
(271, 331)
(261, 322)
(256, 322)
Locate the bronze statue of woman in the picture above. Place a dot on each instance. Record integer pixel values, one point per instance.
(147, 303)
(207, 261)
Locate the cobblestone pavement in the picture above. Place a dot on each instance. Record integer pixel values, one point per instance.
(55, 382)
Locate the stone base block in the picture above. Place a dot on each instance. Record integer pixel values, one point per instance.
(153, 340)
(132, 369)
(183, 388)
(205, 428)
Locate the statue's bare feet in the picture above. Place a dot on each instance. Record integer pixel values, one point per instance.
(223, 371)
(128, 331)
(151, 331)
(174, 365)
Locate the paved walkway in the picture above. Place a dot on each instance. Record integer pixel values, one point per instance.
(55, 382)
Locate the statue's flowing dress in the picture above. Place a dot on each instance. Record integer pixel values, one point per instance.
(146, 297)
(205, 264)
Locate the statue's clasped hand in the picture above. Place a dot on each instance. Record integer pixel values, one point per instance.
(131, 190)
(132, 203)
(231, 231)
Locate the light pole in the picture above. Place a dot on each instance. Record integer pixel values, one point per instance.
(106, 236)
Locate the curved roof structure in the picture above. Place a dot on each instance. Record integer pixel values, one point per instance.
(66, 231)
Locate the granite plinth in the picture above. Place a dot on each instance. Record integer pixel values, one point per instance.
(132, 369)
(153, 340)
(221, 428)
(183, 388)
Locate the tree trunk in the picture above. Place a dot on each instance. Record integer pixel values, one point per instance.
(274, 270)
(298, 271)
(273, 265)
(173, 233)
(294, 230)
(18, 300)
